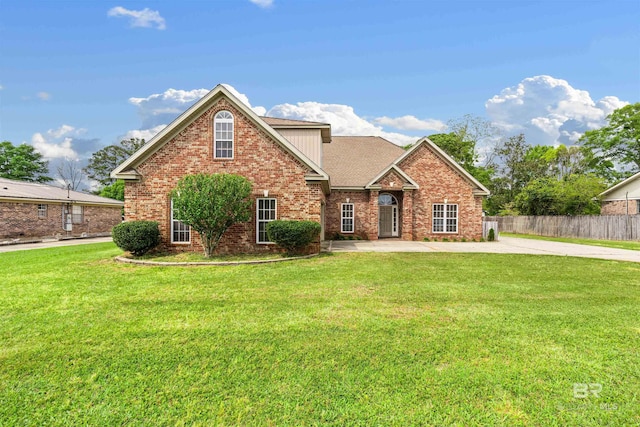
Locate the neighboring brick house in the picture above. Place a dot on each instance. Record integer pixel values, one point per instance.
(358, 186)
(34, 210)
(623, 198)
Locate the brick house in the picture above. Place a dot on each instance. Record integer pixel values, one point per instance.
(623, 198)
(353, 186)
(34, 210)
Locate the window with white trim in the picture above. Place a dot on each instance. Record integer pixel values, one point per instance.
(445, 218)
(266, 211)
(180, 232)
(77, 214)
(638, 206)
(42, 211)
(346, 218)
(223, 135)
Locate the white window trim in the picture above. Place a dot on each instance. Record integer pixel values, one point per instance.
(179, 242)
(77, 218)
(43, 210)
(259, 221)
(343, 217)
(444, 218)
(233, 133)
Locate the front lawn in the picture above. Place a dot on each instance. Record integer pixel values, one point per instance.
(345, 339)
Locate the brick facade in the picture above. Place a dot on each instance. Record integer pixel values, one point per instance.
(257, 157)
(21, 220)
(437, 182)
(619, 207)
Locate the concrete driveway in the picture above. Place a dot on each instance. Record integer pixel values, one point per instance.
(506, 245)
(53, 244)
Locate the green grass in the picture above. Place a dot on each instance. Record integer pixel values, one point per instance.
(200, 257)
(346, 339)
(618, 244)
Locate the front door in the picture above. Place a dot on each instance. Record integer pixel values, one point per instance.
(385, 221)
(387, 216)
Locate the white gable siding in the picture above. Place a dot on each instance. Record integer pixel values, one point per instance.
(632, 187)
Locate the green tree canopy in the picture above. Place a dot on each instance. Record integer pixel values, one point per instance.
(103, 161)
(619, 140)
(575, 195)
(210, 204)
(114, 191)
(22, 163)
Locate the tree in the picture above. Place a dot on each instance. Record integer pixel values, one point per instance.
(575, 195)
(210, 204)
(114, 191)
(70, 173)
(103, 161)
(463, 152)
(620, 139)
(22, 163)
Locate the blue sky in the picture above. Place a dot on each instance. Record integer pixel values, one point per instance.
(79, 75)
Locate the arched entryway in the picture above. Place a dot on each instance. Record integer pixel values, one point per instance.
(388, 225)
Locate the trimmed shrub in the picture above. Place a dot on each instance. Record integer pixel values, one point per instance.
(137, 237)
(492, 235)
(293, 236)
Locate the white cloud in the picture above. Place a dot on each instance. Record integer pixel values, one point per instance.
(411, 123)
(65, 130)
(343, 120)
(53, 150)
(549, 111)
(145, 18)
(44, 96)
(145, 134)
(262, 3)
(261, 111)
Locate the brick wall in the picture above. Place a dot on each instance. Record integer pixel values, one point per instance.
(257, 157)
(619, 207)
(437, 181)
(21, 220)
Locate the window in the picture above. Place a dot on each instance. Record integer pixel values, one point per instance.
(346, 218)
(265, 213)
(42, 211)
(445, 218)
(77, 213)
(223, 138)
(180, 232)
(638, 206)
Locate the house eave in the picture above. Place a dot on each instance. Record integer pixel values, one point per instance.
(58, 201)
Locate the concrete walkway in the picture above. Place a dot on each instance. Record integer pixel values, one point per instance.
(506, 245)
(53, 244)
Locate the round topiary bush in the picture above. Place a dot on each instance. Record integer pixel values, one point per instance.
(293, 236)
(137, 237)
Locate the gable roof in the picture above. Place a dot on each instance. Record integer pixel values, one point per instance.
(35, 192)
(353, 161)
(619, 186)
(127, 169)
(280, 123)
(479, 190)
(411, 184)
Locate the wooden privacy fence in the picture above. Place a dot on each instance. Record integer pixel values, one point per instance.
(603, 227)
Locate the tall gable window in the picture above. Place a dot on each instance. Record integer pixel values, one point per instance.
(180, 232)
(223, 135)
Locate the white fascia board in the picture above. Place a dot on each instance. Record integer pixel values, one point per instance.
(396, 169)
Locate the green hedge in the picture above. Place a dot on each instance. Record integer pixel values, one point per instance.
(293, 236)
(137, 237)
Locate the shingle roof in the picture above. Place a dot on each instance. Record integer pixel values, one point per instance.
(36, 192)
(276, 121)
(353, 161)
